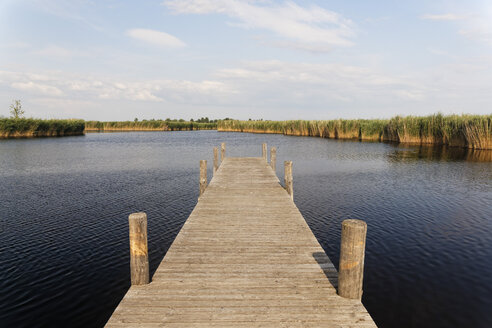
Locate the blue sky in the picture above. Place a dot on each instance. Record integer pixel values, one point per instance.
(117, 60)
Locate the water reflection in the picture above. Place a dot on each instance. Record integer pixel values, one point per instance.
(409, 153)
(64, 205)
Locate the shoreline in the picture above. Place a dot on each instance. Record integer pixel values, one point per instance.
(411, 142)
(92, 130)
(13, 128)
(38, 134)
(464, 131)
(470, 154)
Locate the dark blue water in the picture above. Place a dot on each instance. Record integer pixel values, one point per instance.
(64, 206)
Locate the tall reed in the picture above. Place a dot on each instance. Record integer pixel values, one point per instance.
(31, 127)
(469, 131)
(151, 125)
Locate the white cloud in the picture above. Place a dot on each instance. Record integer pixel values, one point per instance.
(312, 28)
(156, 38)
(70, 10)
(410, 95)
(16, 45)
(264, 89)
(90, 87)
(443, 17)
(54, 51)
(307, 73)
(318, 85)
(134, 91)
(337, 90)
(38, 88)
(477, 27)
(478, 30)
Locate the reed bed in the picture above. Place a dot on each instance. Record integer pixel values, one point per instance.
(469, 131)
(30, 127)
(152, 125)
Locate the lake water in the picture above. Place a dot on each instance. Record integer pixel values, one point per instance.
(64, 206)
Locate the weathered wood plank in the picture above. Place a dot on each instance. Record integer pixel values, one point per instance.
(244, 258)
(139, 254)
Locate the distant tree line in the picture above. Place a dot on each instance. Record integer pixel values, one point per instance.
(200, 120)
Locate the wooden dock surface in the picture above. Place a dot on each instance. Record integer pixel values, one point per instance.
(244, 258)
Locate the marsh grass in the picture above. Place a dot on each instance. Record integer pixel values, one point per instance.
(151, 125)
(30, 127)
(470, 131)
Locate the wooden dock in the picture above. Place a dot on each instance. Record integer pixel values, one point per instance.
(244, 258)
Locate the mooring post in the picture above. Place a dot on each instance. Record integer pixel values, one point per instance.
(352, 249)
(288, 178)
(216, 159)
(222, 152)
(264, 152)
(203, 176)
(273, 158)
(139, 254)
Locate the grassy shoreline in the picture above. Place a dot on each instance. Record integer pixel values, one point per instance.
(152, 125)
(32, 128)
(468, 131)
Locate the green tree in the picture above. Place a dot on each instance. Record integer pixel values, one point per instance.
(16, 109)
(135, 120)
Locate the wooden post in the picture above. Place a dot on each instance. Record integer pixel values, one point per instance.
(222, 152)
(139, 254)
(288, 178)
(264, 152)
(273, 158)
(203, 176)
(216, 159)
(352, 249)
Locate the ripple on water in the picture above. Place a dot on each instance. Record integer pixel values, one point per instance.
(65, 205)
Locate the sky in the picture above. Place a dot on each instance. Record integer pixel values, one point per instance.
(259, 59)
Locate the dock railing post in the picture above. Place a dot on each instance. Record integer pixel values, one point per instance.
(203, 176)
(288, 178)
(264, 152)
(273, 158)
(139, 254)
(222, 152)
(352, 250)
(216, 159)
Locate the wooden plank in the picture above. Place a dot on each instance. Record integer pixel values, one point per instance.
(244, 258)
